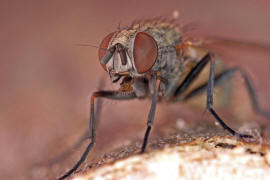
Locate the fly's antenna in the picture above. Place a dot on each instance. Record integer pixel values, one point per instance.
(92, 46)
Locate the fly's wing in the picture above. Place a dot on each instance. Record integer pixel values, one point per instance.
(212, 41)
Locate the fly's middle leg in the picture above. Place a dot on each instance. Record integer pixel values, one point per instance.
(151, 114)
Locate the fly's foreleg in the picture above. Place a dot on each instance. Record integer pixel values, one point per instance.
(117, 95)
(85, 135)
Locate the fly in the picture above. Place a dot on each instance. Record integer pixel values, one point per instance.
(153, 59)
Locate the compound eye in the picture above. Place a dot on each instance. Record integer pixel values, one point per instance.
(145, 52)
(103, 50)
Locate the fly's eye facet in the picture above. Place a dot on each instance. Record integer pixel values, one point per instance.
(104, 53)
(145, 52)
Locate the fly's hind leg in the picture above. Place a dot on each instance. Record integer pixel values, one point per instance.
(225, 76)
(209, 103)
(210, 87)
(221, 78)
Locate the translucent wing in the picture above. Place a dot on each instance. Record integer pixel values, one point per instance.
(212, 41)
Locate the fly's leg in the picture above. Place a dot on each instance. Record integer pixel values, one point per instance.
(209, 103)
(225, 76)
(252, 95)
(192, 76)
(70, 150)
(219, 79)
(117, 95)
(151, 114)
(85, 134)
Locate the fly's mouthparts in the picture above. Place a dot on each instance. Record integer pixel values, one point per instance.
(116, 78)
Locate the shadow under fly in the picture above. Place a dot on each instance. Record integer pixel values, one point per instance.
(153, 59)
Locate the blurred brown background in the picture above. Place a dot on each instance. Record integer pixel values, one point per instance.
(46, 79)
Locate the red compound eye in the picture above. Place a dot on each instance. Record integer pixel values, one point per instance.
(103, 48)
(145, 52)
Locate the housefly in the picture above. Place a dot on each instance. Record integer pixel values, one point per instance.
(153, 59)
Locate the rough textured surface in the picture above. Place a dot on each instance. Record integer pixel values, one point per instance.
(203, 158)
(185, 150)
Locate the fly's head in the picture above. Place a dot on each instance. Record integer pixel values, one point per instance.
(129, 54)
